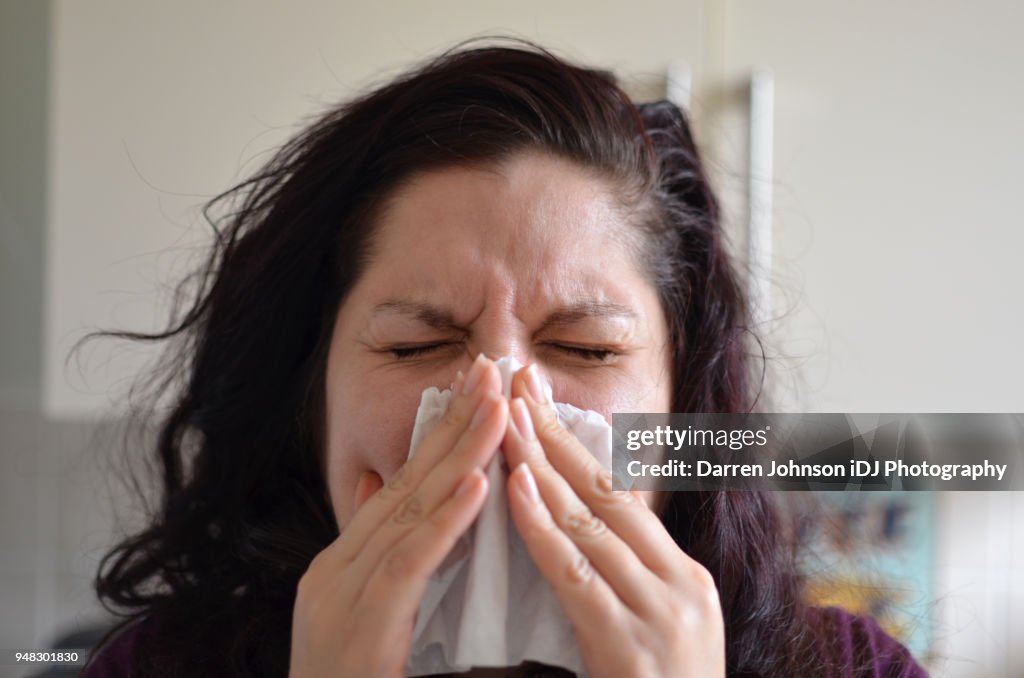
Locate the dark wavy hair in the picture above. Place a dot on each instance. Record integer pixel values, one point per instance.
(244, 507)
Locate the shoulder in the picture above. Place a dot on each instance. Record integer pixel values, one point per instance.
(860, 646)
(114, 658)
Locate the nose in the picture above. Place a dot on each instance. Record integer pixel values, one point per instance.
(500, 335)
(522, 353)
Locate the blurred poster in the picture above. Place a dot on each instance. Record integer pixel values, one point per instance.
(871, 553)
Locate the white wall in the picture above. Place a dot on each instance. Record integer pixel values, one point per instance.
(898, 232)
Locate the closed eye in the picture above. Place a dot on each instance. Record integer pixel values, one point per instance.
(598, 355)
(419, 350)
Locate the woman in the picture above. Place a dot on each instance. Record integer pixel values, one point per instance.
(497, 201)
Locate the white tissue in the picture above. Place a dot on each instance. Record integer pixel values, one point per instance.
(487, 604)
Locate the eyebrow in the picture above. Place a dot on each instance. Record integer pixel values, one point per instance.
(585, 310)
(439, 318)
(425, 313)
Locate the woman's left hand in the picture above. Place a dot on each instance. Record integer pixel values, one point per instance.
(638, 605)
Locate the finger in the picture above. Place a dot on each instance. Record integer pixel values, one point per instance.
(476, 447)
(483, 378)
(402, 576)
(617, 564)
(593, 608)
(623, 512)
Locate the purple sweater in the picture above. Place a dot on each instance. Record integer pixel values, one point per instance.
(856, 643)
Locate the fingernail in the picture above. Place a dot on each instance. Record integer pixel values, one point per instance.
(527, 485)
(521, 418)
(483, 410)
(457, 384)
(468, 482)
(476, 373)
(534, 386)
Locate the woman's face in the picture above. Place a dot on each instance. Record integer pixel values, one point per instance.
(524, 258)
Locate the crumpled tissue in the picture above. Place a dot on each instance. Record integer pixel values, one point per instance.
(487, 604)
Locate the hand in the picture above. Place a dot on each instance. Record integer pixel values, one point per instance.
(638, 605)
(356, 605)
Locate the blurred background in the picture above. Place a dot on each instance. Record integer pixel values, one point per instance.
(868, 156)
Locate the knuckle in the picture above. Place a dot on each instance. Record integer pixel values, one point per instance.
(410, 511)
(682, 612)
(579, 570)
(709, 599)
(603, 486)
(549, 427)
(318, 568)
(603, 492)
(453, 417)
(700, 605)
(401, 481)
(627, 499)
(704, 582)
(585, 524)
(621, 498)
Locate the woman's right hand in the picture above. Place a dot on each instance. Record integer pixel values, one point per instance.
(356, 605)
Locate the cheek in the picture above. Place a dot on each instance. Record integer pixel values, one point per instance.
(368, 429)
(631, 390)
